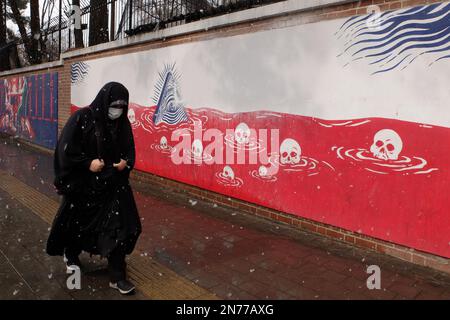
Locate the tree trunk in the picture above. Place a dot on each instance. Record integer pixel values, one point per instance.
(19, 20)
(35, 51)
(98, 22)
(14, 59)
(4, 54)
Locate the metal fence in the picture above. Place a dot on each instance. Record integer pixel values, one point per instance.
(129, 17)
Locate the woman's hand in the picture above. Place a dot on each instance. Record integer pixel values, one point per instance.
(121, 165)
(97, 165)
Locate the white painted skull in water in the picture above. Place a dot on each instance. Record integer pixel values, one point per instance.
(242, 133)
(290, 152)
(228, 173)
(197, 149)
(163, 143)
(262, 171)
(387, 145)
(131, 116)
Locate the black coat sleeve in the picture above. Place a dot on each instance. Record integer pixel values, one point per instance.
(69, 154)
(128, 152)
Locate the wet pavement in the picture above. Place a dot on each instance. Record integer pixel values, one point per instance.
(224, 252)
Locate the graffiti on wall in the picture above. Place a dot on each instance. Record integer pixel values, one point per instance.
(395, 39)
(302, 130)
(29, 108)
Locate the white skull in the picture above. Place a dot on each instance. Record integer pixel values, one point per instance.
(262, 171)
(290, 152)
(228, 173)
(387, 145)
(131, 116)
(242, 133)
(197, 149)
(163, 143)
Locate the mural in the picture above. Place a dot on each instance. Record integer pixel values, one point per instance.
(395, 39)
(29, 108)
(300, 120)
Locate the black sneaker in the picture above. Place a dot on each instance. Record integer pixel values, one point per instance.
(124, 286)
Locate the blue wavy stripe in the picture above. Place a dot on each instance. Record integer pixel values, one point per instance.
(385, 23)
(391, 68)
(363, 19)
(392, 37)
(441, 58)
(409, 40)
(79, 71)
(398, 35)
(394, 22)
(382, 59)
(175, 118)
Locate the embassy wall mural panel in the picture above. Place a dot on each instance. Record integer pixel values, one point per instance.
(29, 108)
(344, 122)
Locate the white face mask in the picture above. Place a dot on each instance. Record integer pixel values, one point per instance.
(114, 113)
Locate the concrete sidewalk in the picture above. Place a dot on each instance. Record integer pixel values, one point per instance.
(189, 249)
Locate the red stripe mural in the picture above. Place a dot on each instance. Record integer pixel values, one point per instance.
(290, 119)
(373, 176)
(26, 108)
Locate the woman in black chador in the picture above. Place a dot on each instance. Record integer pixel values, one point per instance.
(93, 159)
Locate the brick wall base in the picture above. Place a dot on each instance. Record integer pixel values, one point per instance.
(355, 239)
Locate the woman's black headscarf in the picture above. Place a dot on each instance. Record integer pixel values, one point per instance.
(113, 94)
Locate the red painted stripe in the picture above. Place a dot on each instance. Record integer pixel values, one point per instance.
(51, 97)
(35, 94)
(29, 97)
(43, 85)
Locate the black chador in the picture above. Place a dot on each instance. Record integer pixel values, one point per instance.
(93, 159)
